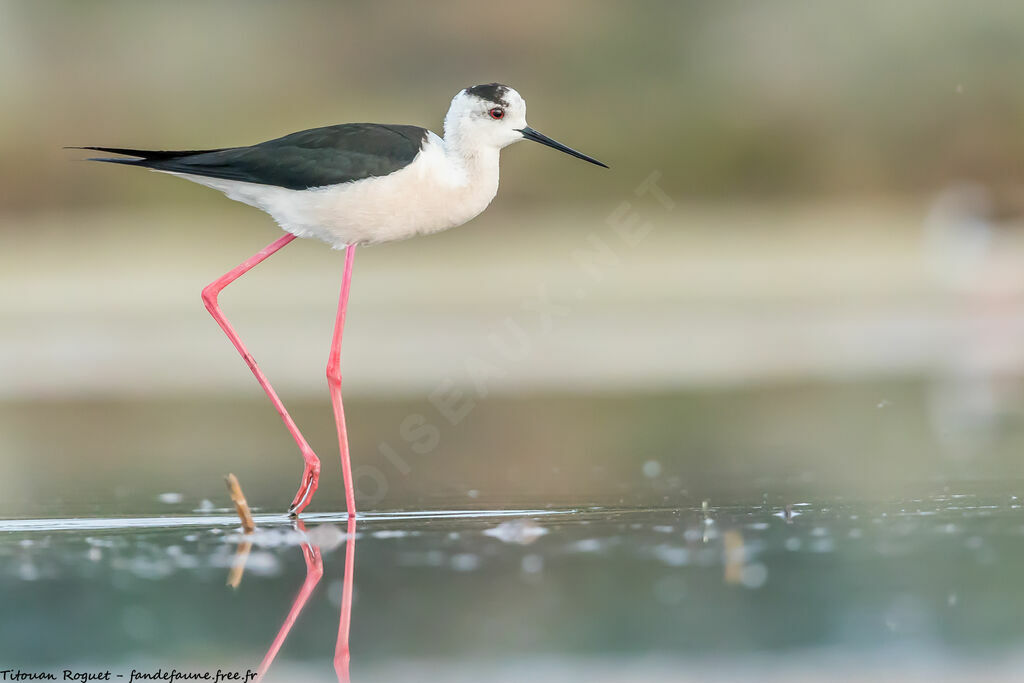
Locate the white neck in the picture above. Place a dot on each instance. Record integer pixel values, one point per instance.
(458, 146)
(479, 164)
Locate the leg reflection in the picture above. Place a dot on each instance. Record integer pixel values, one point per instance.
(341, 651)
(314, 570)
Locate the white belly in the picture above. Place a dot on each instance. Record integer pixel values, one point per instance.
(431, 194)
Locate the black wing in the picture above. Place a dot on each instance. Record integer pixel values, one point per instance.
(310, 158)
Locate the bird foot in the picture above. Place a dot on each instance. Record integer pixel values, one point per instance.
(310, 481)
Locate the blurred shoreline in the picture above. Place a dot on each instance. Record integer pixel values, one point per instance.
(711, 296)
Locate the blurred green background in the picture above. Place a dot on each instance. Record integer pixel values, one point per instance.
(831, 278)
(800, 283)
(730, 99)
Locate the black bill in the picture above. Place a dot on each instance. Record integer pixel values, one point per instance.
(531, 134)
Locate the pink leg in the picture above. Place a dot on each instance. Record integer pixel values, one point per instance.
(311, 475)
(314, 570)
(334, 381)
(341, 651)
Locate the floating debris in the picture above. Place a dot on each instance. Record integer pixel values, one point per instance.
(587, 545)
(673, 556)
(754, 575)
(271, 538)
(519, 531)
(465, 562)
(327, 537)
(533, 564)
(390, 533)
(170, 498)
(822, 545)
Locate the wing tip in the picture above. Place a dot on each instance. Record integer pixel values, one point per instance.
(154, 155)
(115, 160)
(131, 156)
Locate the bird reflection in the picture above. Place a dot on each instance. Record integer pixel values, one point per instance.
(314, 572)
(967, 232)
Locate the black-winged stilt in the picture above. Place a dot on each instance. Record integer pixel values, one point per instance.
(356, 183)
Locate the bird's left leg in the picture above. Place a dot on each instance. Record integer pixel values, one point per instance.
(334, 381)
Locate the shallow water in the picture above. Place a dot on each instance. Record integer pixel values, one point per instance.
(869, 441)
(698, 592)
(765, 534)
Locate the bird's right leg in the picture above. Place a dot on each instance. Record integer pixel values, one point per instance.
(311, 475)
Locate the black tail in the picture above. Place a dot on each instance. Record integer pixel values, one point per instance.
(145, 157)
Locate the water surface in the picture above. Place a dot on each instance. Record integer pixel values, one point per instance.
(855, 531)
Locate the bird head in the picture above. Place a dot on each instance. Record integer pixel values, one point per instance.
(494, 116)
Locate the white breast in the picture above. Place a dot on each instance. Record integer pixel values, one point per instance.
(435, 192)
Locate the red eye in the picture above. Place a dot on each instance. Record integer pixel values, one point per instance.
(497, 113)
